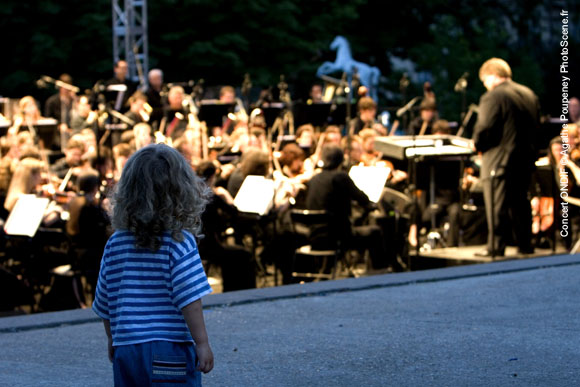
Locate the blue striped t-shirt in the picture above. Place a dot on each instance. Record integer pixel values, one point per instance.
(141, 292)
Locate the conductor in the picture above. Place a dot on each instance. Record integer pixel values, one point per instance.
(507, 122)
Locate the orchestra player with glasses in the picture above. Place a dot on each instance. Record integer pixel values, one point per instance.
(507, 121)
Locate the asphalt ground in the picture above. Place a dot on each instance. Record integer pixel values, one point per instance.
(498, 324)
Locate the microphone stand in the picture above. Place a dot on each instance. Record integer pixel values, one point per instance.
(42, 82)
(461, 87)
(347, 94)
(403, 85)
(246, 88)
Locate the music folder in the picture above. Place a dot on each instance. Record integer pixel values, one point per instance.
(26, 216)
(316, 114)
(48, 133)
(370, 180)
(213, 112)
(256, 195)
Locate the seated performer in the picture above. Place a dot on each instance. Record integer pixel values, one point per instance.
(235, 261)
(175, 116)
(28, 115)
(366, 118)
(424, 123)
(137, 112)
(82, 116)
(72, 158)
(332, 190)
(26, 179)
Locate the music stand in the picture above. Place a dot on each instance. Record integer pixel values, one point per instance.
(26, 216)
(315, 114)
(47, 133)
(370, 180)
(338, 115)
(549, 129)
(213, 112)
(4, 126)
(256, 195)
(468, 123)
(272, 112)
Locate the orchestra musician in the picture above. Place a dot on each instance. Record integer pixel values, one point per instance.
(254, 162)
(153, 93)
(137, 111)
(28, 115)
(88, 226)
(366, 117)
(424, 123)
(59, 106)
(507, 121)
(315, 94)
(333, 190)
(572, 169)
(12, 149)
(305, 138)
(26, 180)
(176, 115)
(238, 270)
(73, 153)
(331, 135)
(121, 153)
(142, 135)
(353, 151)
(82, 116)
(121, 71)
(574, 110)
(227, 94)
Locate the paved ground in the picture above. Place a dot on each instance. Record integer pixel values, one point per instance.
(506, 323)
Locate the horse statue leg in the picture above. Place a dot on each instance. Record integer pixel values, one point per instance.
(327, 68)
(369, 77)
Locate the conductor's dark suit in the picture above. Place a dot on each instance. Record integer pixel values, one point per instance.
(507, 123)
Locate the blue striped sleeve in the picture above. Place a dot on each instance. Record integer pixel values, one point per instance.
(101, 302)
(188, 279)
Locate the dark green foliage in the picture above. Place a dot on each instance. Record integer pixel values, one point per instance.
(220, 40)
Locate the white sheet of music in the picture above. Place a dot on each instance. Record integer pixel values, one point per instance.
(370, 180)
(256, 195)
(26, 216)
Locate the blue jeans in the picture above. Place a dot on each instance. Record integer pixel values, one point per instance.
(156, 363)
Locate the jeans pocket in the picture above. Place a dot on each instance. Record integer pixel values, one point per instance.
(169, 370)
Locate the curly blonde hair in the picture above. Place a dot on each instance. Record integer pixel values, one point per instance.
(158, 192)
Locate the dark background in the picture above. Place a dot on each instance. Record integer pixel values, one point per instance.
(220, 40)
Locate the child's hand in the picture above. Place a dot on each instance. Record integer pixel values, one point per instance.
(204, 357)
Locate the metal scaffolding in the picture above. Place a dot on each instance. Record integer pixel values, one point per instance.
(130, 36)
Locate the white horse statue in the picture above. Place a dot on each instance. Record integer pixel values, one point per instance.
(369, 76)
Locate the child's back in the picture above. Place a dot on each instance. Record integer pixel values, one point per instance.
(151, 279)
(142, 292)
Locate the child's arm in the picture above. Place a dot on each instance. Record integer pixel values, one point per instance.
(193, 315)
(107, 325)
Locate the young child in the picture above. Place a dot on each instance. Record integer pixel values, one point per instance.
(151, 279)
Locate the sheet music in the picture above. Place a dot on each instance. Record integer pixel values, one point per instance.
(256, 195)
(26, 216)
(370, 180)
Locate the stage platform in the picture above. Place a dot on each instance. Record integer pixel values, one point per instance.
(466, 254)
